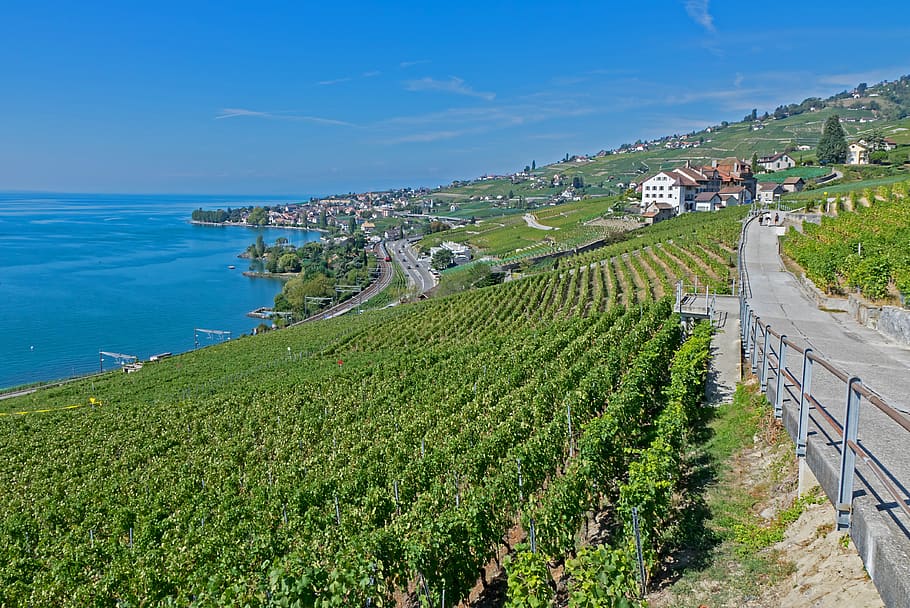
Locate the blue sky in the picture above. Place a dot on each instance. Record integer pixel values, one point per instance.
(319, 97)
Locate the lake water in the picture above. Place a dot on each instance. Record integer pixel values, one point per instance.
(128, 274)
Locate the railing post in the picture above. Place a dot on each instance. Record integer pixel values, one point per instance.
(752, 338)
(848, 456)
(781, 366)
(743, 314)
(765, 359)
(805, 389)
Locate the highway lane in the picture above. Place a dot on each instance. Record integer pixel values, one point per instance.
(416, 269)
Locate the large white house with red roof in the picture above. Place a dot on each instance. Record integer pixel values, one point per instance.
(681, 187)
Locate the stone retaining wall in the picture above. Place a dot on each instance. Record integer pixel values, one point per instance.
(892, 321)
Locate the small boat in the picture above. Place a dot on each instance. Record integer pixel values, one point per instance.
(231, 267)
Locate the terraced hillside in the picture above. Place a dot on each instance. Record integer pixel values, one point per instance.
(864, 248)
(364, 459)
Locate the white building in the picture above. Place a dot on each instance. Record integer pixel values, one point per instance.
(776, 162)
(670, 188)
(461, 254)
(769, 192)
(857, 154)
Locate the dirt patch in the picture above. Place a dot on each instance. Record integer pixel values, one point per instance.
(813, 565)
(829, 572)
(614, 223)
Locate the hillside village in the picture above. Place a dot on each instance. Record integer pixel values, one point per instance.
(768, 157)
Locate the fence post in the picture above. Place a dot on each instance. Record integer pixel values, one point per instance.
(743, 308)
(805, 389)
(765, 359)
(848, 456)
(753, 334)
(781, 366)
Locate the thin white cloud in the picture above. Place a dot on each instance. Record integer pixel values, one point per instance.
(429, 136)
(235, 112)
(326, 83)
(291, 116)
(453, 85)
(460, 122)
(371, 74)
(698, 11)
(409, 64)
(738, 80)
(728, 95)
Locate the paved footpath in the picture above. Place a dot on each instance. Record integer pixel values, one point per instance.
(880, 530)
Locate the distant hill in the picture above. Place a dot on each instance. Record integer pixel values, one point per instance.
(884, 107)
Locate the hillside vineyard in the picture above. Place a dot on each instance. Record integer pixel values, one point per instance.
(342, 462)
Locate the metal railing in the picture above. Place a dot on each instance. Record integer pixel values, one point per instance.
(692, 302)
(759, 341)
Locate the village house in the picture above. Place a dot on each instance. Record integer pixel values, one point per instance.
(680, 187)
(857, 154)
(777, 162)
(461, 254)
(735, 195)
(707, 201)
(657, 212)
(769, 192)
(793, 184)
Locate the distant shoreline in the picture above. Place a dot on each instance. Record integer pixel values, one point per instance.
(280, 276)
(245, 225)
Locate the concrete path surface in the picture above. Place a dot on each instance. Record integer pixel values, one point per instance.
(880, 529)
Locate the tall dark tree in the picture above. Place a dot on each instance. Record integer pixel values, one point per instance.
(832, 147)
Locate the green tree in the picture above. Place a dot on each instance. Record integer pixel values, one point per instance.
(352, 225)
(258, 217)
(755, 162)
(879, 157)
(442, 259)
(876, 140)
(289, 262)
(297, 289)
(323, 222)
(259, 247)
(533, 165)
(832, 147)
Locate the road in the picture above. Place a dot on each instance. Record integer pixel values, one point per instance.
(880, 529)
(417, 270)
(532, 222)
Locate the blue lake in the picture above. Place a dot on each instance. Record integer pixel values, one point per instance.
(129, 274)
